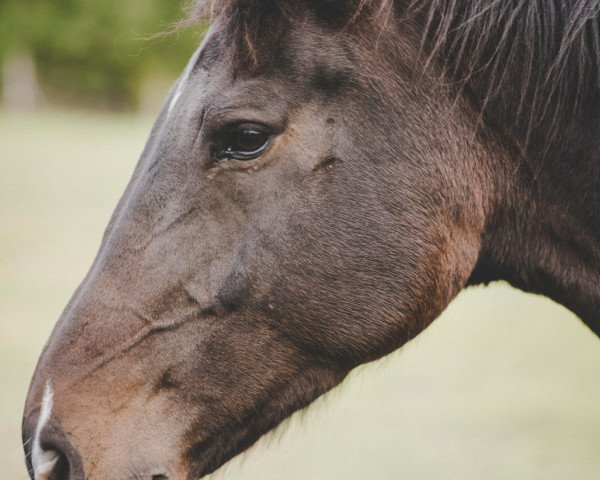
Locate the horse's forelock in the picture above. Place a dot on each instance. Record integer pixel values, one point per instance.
(202, 10)
(253, 25)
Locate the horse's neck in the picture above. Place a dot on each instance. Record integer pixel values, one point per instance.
(545, 238)
(542, 98)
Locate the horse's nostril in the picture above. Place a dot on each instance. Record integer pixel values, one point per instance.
(62, 470)
(160, 477)
(52, 457)
(51, 465)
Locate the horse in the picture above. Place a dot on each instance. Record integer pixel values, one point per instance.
(323, 179)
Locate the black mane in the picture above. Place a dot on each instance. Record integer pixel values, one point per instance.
(532, 64)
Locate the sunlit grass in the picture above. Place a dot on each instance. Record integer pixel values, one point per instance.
(503, 386)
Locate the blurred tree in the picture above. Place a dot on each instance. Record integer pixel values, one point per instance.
(97, 52)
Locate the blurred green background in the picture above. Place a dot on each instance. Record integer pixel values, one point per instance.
(504, 386)
(109, 54)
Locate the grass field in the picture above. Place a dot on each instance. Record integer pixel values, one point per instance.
(503, 386)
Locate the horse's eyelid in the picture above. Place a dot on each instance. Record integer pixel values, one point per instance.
(239, 155)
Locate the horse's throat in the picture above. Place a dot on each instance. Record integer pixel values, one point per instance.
(546, 237)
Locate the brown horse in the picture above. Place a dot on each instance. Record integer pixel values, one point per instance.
(324, 178)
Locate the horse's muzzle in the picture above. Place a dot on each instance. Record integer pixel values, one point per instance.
(50, 456)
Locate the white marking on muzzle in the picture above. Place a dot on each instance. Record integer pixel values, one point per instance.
(43, 461)
(188, 71)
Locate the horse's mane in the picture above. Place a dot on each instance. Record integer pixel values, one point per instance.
(535, 61)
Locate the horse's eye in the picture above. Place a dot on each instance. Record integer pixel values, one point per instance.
(244, 143)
